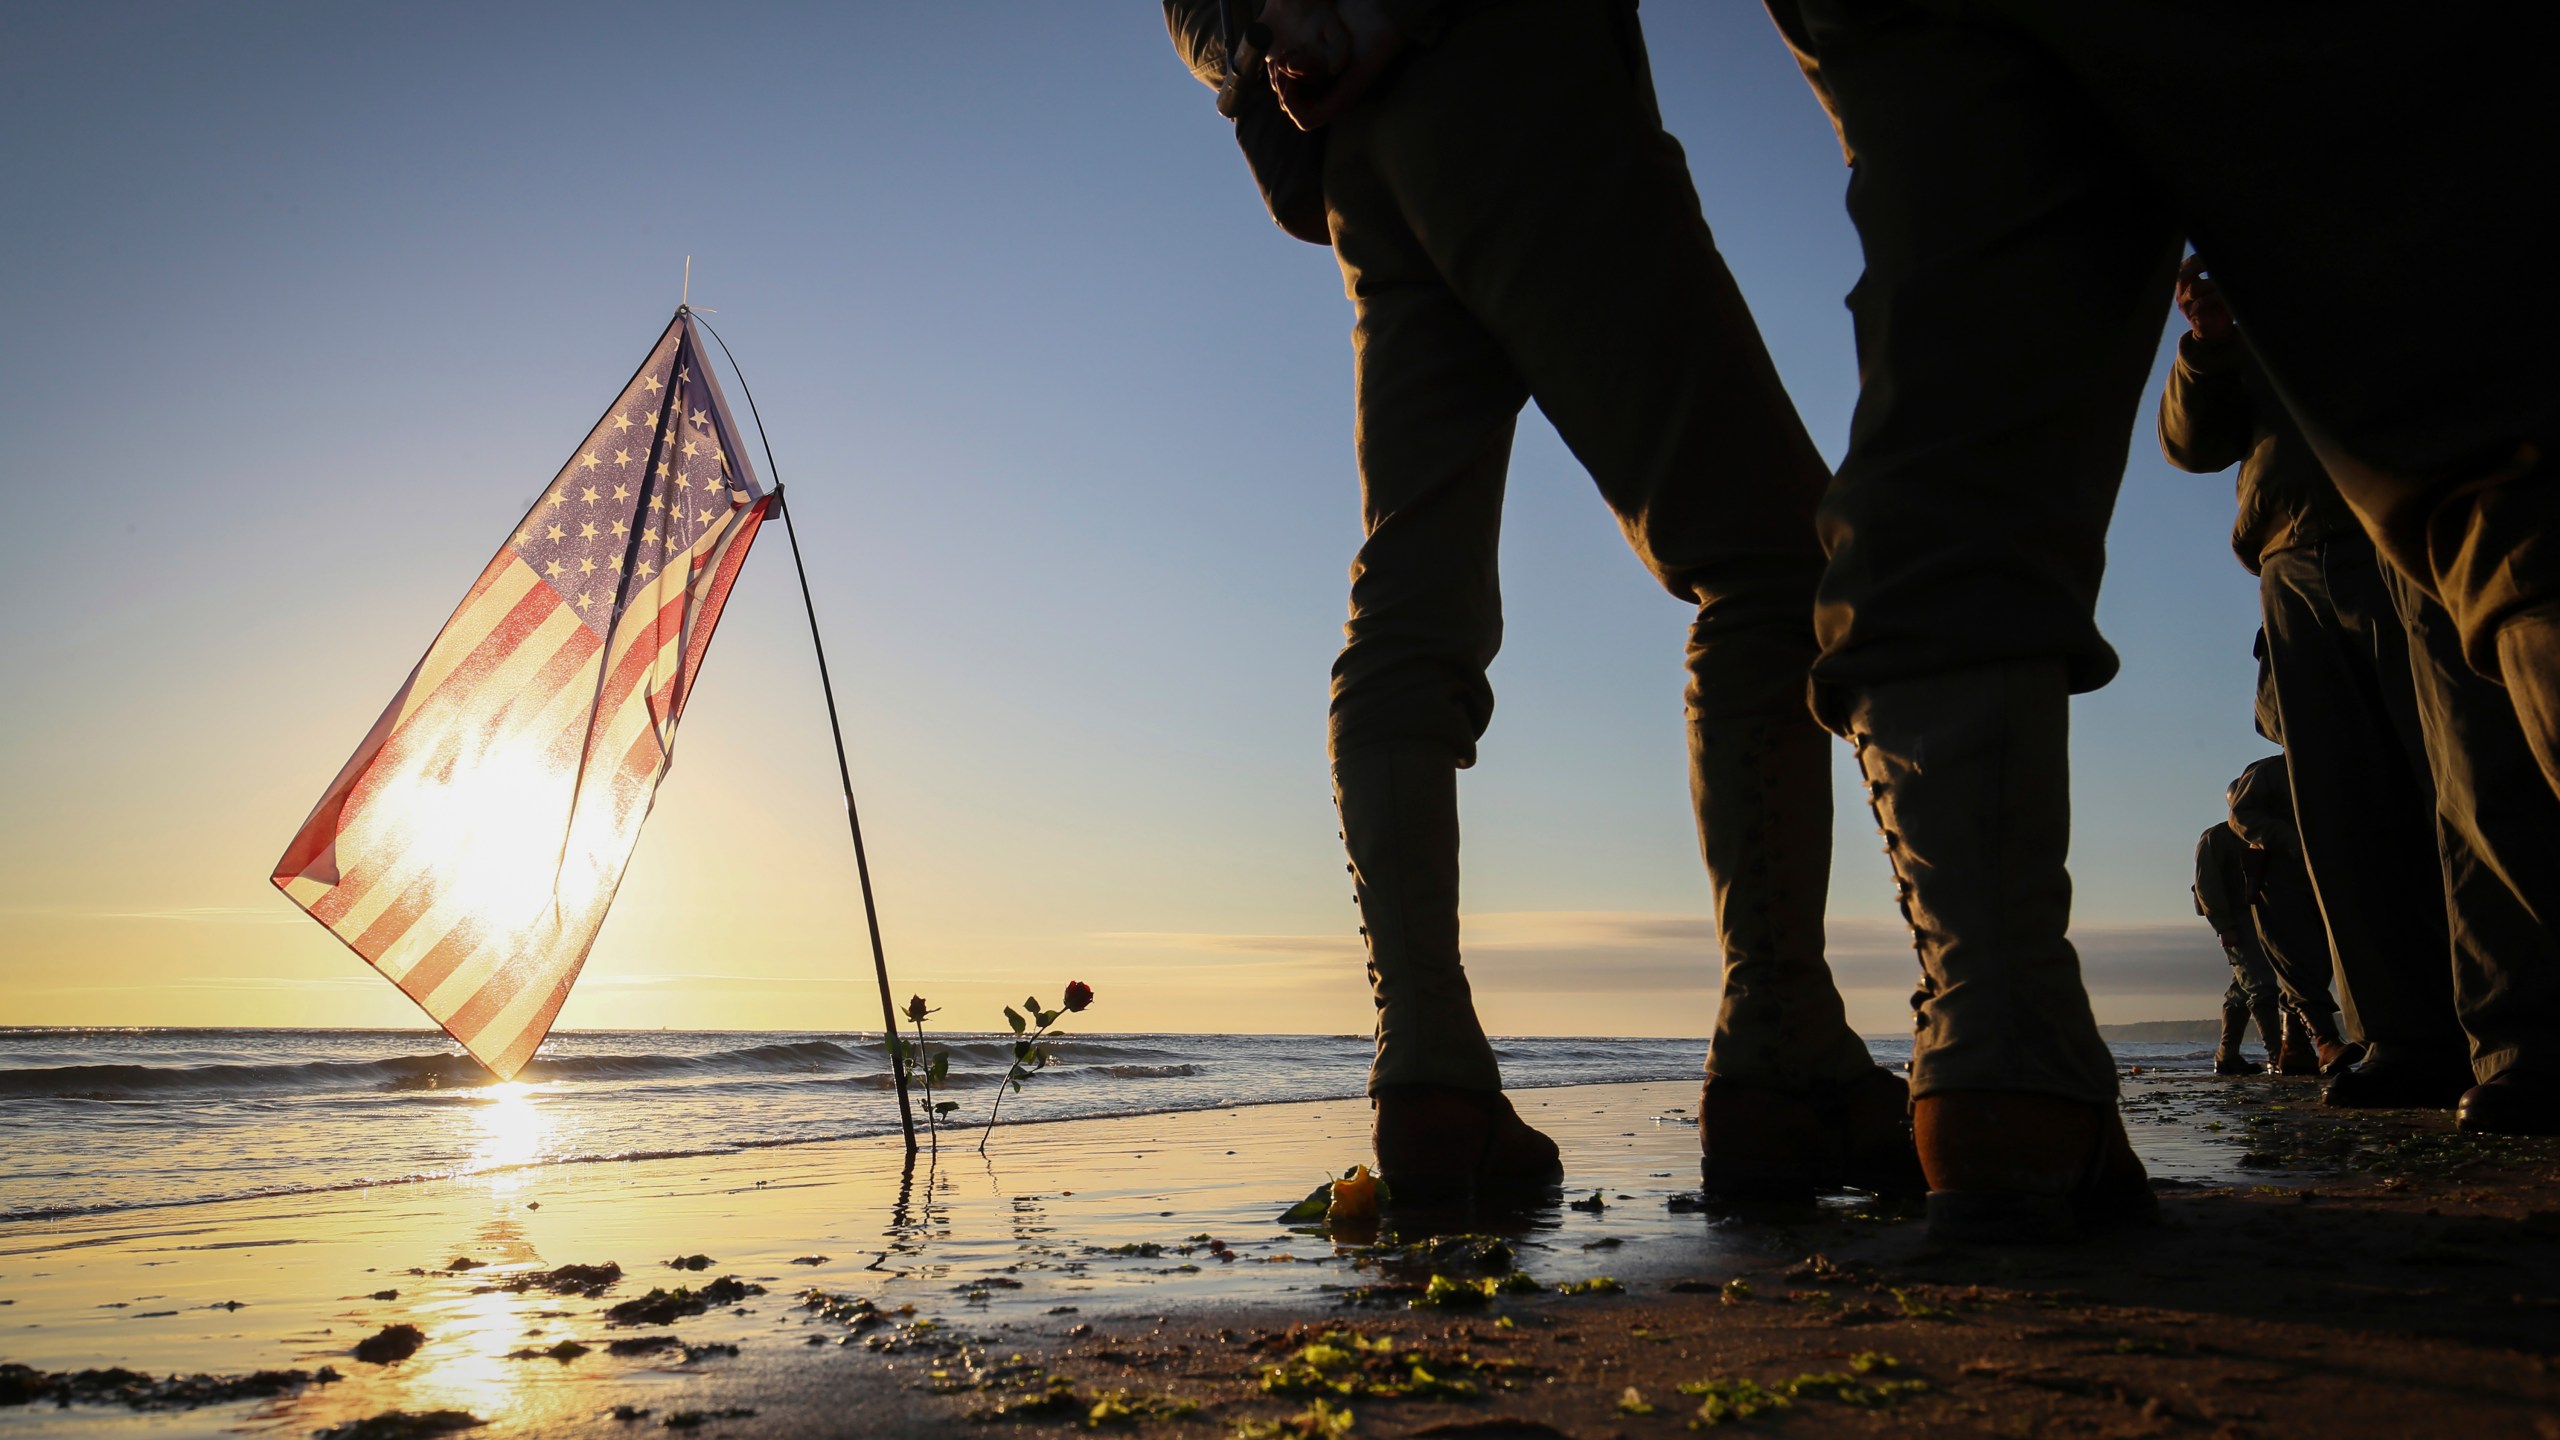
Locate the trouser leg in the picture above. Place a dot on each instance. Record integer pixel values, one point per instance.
(1539, 191)
(2500, 836)
(2235, 1021)
(2356, 762)
(1435, 402)
(1969, 781)
(1966, 528)
(2286, 915)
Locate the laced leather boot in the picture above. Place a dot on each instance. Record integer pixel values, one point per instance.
(2016, 1123)
(2298, 1053)
(2006, 1167)
(1443, 1129)
(1439, 1146)
(1794, 1105)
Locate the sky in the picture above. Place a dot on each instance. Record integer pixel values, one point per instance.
(307, 302)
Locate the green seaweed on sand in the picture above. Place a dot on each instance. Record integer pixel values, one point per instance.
(1356, 1366)
(1447, 1292)
(1918, 1309)
(1595, 1285)
(1319, 1421)
(1723, 1401)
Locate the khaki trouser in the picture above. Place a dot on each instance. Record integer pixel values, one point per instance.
(1513, 225)
(2499, 834)
(2361, 799)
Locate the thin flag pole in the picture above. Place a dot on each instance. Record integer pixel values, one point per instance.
(844, 771)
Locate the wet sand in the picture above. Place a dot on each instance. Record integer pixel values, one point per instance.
(2319, 1274)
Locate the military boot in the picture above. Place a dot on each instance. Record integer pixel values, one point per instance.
(2227, 1059)
(2015, 1121)
(2298, 1053)
(1443, 1128)
(2271, 1024)
(1793, 1103)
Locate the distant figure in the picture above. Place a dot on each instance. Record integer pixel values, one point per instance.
(1512, 225)
(2345, 704)
(2222, 898)
(2286, 914)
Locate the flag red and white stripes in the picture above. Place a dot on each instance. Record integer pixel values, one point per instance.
(471, 846)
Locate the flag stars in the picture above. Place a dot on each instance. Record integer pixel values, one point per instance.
(586, 566)
(704, 517)
(552, 569)
(691, 449)
(621, 421)
(649, 536)
(621, 457)
(587, 531)
(590, 461)
(684, 482)
(621, 492)
(646, 570)
(560, 496)
(585, 599)
(589, 495)
(614, 562)
(621, 529)
(701, 418)
(652, 382)
(555, 533)
(664, 470)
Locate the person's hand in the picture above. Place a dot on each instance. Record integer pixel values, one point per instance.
(2200, 300)
(1323, 55)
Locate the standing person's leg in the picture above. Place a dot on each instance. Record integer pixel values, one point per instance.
(2235, 1025)
(2356, 765)
(1538, 180)
(1436, 404)
(2287, 918)
(2500, 834)
(2017, 275)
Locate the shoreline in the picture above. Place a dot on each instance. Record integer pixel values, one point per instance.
(1141, 1255)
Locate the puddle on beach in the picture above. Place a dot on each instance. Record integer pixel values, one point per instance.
(1105, 1222)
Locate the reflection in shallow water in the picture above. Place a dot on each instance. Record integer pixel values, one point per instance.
(509, 1128)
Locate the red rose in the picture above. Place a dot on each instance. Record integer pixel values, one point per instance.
(1079, 995)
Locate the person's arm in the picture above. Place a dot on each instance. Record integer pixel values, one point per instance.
(2207, 420)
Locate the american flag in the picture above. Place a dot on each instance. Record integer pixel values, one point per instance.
(471, 846)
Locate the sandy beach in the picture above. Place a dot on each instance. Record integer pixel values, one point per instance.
(2318, 1274)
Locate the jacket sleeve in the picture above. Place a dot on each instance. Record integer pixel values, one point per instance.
(2207, 421)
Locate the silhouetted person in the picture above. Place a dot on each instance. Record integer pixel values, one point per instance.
(2222, 897)
(1512, 225)
(2348, 709)
(2357, 175)
(2286, 912)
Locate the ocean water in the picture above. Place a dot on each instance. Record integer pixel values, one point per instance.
(96, 1120)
